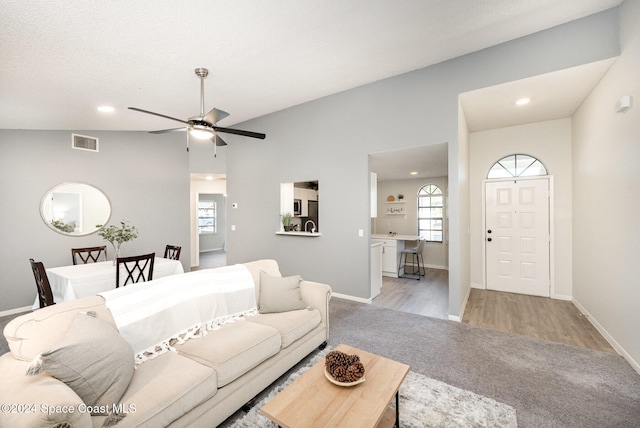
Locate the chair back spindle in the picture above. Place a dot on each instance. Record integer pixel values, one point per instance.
(130, 270)
(89, 254)
(172, 252)
(45, 296)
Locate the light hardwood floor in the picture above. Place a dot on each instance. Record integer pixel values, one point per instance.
(540, 317)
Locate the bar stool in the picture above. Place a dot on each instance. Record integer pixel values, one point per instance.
(416, 257)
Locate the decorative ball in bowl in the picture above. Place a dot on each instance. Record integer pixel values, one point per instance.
(343, 369)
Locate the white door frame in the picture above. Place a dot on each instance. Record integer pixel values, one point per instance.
(552, 270)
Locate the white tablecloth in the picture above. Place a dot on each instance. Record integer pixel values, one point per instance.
(78, 281)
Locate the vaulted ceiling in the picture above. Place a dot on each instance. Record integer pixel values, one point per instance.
(59, 61)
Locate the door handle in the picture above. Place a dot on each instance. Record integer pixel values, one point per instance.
(489, 231)
(489, 239)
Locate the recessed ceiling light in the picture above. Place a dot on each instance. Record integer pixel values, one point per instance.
(106, 109)
(523, 101)
(414, 172)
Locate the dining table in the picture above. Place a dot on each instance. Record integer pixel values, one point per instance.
(84, 280)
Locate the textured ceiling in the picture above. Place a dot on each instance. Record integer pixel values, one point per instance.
(60, 60)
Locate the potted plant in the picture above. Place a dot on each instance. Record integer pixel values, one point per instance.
(117, 235)
(400, 197)
(286, 221)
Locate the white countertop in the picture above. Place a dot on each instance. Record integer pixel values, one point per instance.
(396, 237)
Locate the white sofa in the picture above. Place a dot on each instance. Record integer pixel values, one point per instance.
(199, 384)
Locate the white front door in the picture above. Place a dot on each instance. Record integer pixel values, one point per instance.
(517, 236)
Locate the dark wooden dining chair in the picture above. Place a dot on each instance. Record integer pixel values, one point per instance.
(89, 254)
(45, 296)
(134, 269)
(172, 252)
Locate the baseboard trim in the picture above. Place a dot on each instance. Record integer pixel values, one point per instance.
(458, 318)
(15, 311)
(428, 266)
(352, 298)
(614, 344)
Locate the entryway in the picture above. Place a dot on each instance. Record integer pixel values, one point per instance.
(517, 235)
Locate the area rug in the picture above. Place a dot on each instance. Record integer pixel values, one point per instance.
(424, 402)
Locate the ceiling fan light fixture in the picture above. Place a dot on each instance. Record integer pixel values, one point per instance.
(201, 132)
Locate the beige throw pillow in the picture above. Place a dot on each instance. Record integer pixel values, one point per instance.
(93, 360)
(278, 294)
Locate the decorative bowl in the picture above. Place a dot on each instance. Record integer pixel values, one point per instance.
(335, 382)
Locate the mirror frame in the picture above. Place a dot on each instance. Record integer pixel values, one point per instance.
(44, 216)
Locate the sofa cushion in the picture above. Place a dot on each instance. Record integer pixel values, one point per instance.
(162, 390)
(38, 401)
(278, 294)
(93, 359)
(233, 349)
(291, 325)
(41, 330)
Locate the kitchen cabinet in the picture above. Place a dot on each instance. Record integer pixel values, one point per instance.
(376, 268)
(392, 246)
(389, 256)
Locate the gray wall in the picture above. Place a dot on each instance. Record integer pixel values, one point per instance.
(329, 139)
(145, 177)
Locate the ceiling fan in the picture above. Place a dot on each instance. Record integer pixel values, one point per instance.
(203, 126)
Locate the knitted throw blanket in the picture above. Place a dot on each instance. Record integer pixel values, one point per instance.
(152, 316)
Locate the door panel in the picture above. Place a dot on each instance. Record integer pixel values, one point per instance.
(517, 236)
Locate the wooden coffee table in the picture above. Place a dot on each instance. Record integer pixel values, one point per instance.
(313, 401)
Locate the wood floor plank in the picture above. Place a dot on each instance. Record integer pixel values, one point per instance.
(540, 317)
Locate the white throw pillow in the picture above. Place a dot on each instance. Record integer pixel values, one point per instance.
(279, 294)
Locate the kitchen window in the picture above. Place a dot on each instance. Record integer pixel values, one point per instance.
(430, 213)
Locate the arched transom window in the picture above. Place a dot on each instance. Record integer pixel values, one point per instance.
(430, 212)
(517, 166)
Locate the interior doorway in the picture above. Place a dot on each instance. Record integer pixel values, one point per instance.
(208, 220)
(399, 175)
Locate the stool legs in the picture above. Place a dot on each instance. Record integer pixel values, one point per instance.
(415, 258)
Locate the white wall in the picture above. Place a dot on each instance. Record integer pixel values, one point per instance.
(435, 254)
(549, 142)
(606, 198)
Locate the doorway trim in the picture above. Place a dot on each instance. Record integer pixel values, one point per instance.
(552, 274)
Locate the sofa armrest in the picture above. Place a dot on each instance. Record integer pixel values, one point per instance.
(317, 295)
(37, 401)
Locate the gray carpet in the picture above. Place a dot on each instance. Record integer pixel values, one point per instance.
(424, 403)
(549, 384)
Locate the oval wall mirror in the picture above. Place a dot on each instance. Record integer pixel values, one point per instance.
(74, 209)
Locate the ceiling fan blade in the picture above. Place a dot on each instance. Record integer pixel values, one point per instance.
(158, 114)
(163, 131)
(240, 132)
(215, 115)
(218, 141)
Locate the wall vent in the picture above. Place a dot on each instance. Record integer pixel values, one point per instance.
(83, 142)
